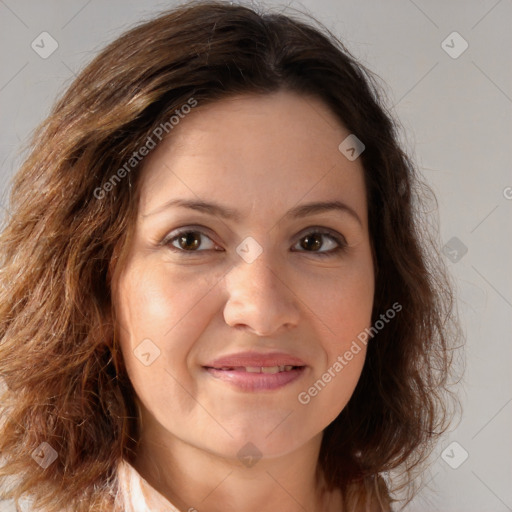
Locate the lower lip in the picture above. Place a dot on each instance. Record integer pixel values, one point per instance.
(248, 381)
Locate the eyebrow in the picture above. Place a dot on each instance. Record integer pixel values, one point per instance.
(215, 209)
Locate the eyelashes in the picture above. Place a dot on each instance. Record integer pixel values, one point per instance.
(189, 241)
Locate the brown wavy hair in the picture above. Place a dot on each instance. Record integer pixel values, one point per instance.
(60, 247)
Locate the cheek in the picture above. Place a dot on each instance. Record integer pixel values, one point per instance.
(155, 302)
(341, 320)
(332, 387)
(342, 306)
(161, 314)
(341, 301)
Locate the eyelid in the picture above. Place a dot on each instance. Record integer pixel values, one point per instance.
(334, 235)
(175, 233)
(324, 231)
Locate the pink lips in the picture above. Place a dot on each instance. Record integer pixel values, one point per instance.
(250, 371)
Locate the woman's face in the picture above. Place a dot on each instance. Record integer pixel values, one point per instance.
(280, 289)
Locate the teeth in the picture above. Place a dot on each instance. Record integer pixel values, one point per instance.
(270, 369)
(260, 369)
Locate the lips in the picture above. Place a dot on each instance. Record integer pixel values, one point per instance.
(251, 371)
(255, 360)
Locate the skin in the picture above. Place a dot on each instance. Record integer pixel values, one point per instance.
(261, 156)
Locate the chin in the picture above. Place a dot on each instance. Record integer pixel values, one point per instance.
(266, 442)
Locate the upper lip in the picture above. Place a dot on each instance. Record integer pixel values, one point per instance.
(254, 359)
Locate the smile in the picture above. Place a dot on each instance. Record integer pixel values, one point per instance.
(257, 378)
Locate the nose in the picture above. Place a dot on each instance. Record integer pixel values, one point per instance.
(259, 298)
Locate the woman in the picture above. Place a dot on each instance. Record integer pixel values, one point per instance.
(217, 293)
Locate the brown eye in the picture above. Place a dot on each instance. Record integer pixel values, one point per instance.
(189, 241)
(322, 243)
(312, 242)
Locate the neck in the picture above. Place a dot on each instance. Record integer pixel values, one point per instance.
(194, 479)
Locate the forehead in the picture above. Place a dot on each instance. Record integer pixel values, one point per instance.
(252, 151)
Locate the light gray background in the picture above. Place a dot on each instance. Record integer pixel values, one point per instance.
(456, 114)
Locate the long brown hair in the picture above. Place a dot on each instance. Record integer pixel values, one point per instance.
(64, 238)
